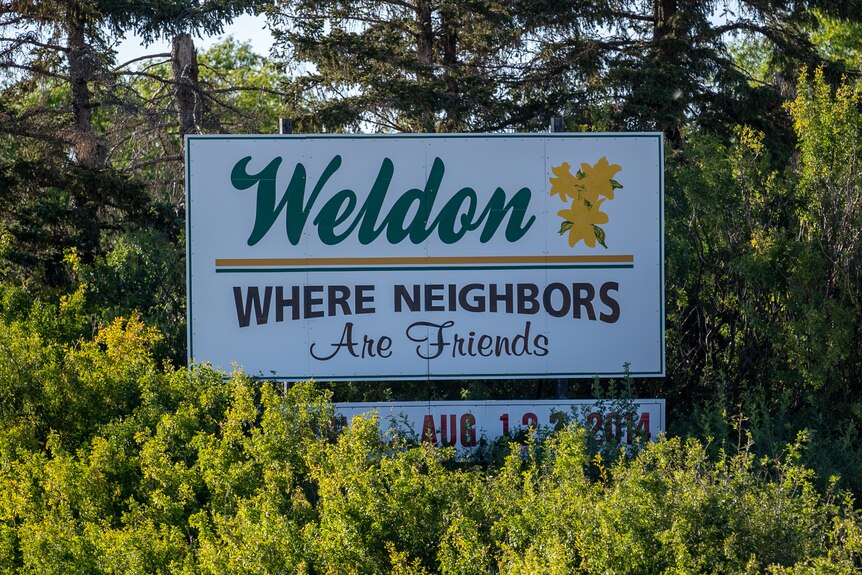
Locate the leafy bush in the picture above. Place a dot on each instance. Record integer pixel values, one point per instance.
(134, 468)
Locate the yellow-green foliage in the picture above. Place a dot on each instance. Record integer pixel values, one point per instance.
(194, 472)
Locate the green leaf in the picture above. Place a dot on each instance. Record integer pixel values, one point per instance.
(615, 185)
(565, 226)
(588, 204)
(600, 235)
(581, 175)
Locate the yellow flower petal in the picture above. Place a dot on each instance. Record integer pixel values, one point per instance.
(597, 178)
(564, 182)
(582, 219)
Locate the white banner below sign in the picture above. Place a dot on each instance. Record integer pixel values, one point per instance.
(426, 256)
(464, 424)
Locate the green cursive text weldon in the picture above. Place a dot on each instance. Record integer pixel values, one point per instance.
(409, 218)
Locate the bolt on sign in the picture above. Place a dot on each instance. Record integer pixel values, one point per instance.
(426, 256)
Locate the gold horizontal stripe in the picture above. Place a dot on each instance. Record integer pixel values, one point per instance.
(420, 260)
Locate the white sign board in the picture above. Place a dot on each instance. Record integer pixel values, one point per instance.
(464, 424)
(414, 257)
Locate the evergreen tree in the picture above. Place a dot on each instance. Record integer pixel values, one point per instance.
(409, 66)
(668, 65)
(61, 100)
(487, 65)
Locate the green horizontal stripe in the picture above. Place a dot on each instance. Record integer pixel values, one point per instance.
(419, 268)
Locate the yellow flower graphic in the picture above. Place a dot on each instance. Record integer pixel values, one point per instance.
(582, 221)
(565, 184)
(599, 180)
(583, 189)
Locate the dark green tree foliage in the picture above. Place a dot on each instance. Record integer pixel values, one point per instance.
(433, 65)
(666, 65)
(414, 66)
(152, 19)
(91, 166)
(56, 171)
(61, 190)
(61, 103)
(53, 207)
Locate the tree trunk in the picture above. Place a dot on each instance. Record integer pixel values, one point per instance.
(425, 55)
(192, 108)
(90, 151)
(449, 29)
(665, 12)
